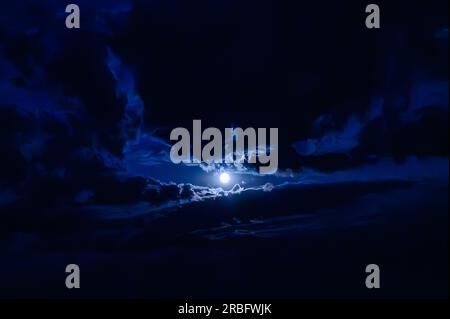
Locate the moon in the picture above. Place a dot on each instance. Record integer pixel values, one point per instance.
(224, 178)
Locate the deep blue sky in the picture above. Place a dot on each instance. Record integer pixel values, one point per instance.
(85, 118)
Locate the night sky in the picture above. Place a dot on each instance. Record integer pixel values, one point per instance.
(86, 178)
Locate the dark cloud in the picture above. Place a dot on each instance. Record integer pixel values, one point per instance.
(85, 117)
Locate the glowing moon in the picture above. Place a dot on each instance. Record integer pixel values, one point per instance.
(224, 178)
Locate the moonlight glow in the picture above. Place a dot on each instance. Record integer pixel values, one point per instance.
(224, 178)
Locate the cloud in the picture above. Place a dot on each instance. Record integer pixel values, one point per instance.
(338, 141)
(332, 142)
(131, 124)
